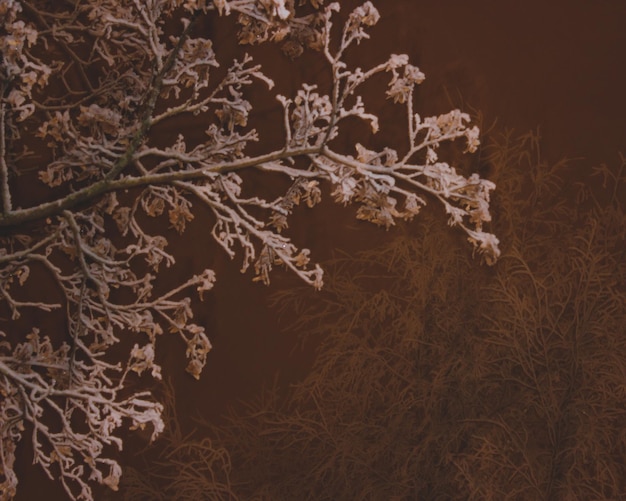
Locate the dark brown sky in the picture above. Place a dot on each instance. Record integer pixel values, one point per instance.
(558, 64)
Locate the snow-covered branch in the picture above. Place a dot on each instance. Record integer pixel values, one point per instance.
(85, 84)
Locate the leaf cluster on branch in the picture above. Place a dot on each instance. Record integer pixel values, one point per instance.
(84, 84)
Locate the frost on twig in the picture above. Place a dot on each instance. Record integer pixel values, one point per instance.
(83, 86)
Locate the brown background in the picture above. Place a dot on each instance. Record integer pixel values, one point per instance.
(557, 65)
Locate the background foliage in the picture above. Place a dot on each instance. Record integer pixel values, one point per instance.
(435, 379)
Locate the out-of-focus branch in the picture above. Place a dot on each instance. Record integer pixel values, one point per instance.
(4, 169)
